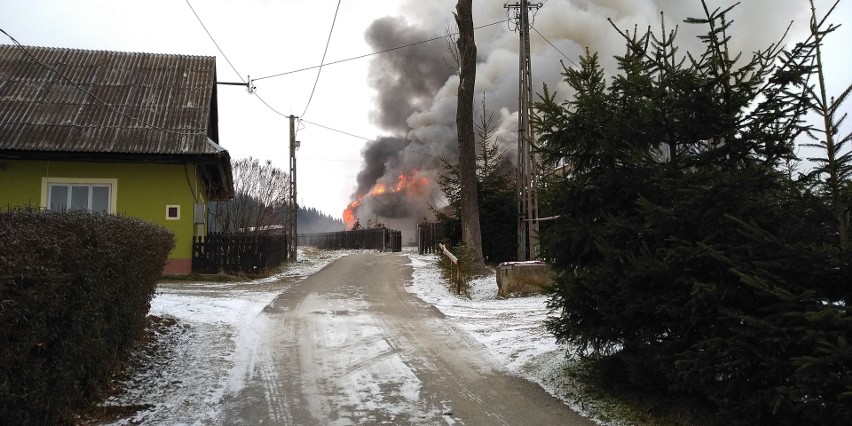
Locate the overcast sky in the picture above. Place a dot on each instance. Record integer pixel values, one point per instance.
(267, 37)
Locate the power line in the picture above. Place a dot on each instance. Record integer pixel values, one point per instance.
(319, 71)
(97, 100)
(318, 171)
(333, 160)
(368, 139)
(373, 54)
(339, 131)
(214, 41)
(554, 47)
(248, 84)
(269, 106)
(319, 68)
(254, 92)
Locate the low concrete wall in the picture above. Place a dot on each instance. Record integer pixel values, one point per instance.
(522, 278)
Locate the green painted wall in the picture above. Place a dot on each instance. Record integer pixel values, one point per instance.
(143, 191)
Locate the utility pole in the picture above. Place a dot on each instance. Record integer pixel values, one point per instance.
(293, 210)
(527, 178)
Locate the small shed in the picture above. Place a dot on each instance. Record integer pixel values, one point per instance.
(522, 278)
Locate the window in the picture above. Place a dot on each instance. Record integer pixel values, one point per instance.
(172, 212)
(96, 195)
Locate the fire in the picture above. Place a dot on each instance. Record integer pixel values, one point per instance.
(349, 212)
(409, 184)
(378, 189)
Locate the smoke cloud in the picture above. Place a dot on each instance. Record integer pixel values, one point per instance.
(416, 89)
(406, 79)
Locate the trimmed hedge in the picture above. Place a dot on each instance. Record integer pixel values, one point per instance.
(75, 289)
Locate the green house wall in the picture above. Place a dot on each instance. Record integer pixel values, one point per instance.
(141, 190)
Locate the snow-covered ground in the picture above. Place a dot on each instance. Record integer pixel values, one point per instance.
(513, 329)
(210, 349)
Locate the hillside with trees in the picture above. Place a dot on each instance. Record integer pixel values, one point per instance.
(311, 221)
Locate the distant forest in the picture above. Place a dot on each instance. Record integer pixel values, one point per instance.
(311, 221)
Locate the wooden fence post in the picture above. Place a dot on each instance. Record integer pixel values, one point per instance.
(456, 270)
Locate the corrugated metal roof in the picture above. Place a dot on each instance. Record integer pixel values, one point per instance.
(136, 102)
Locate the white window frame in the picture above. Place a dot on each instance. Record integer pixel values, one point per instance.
(47, 181)
(170, 206)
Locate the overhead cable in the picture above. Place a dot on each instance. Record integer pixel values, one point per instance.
(554, 47)
(368, 139)
(319, 71)
(214, 42)
(269, 106)
(372, 54)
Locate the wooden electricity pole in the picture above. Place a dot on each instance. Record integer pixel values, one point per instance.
(293, 210)
(527, 178)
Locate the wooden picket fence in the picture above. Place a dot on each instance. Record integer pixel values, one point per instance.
(235, 253)
(428, 235)
(381, 239)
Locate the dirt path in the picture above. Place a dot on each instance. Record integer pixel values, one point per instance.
(349, 345)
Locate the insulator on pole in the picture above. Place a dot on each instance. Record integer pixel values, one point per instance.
(250, 84)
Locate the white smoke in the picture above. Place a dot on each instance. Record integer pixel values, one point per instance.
(416, 92)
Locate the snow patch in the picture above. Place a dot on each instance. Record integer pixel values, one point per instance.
(512, 329)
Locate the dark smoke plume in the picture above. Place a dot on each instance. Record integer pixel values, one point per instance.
(379, 156)
(416, 91)
(406, 79)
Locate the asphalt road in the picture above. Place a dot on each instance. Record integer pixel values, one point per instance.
(349, 345)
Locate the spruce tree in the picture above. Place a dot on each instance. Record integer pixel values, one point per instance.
(682, 249)
(495, 196)
(834, 169)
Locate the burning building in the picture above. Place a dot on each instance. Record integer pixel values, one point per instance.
(395, 199)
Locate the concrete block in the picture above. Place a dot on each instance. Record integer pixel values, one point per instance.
(522, 278)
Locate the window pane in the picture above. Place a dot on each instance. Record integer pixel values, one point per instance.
(58, 197)
(79, 197)
(100, 199)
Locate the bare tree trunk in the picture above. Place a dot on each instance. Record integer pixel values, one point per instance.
(471, 234)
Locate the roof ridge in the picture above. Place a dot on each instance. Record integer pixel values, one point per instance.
(126, 52)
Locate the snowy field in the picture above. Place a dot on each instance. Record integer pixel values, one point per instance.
(212, 346)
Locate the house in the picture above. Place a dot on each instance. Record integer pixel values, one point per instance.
(118, 132)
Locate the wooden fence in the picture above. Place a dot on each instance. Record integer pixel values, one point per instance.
(382, 239)
(456, 273)
(237, 253)
(428, 235)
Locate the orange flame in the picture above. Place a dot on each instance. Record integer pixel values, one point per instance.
(349, 212)
(409, 184)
